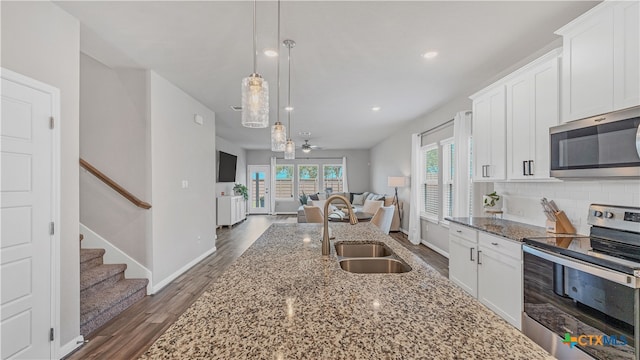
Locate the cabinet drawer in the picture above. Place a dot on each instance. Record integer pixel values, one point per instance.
(501, 245)
(462, 231)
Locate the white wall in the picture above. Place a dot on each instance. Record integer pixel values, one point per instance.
(114, 139)
(522, 200)
(183, 220)
(358, 162)
(241, 165)
(42, 41)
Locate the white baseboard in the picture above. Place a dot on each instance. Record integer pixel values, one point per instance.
(166, 281)
(434, 248)
(70, 347)
(113, 255)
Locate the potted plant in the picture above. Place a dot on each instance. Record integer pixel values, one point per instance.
(303, 199)
(240, 189)
(490, 201)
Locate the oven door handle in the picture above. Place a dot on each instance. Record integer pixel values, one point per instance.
(595, 270)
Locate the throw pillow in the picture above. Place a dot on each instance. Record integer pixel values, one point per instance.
(358, 199)
(365, 194)
(314, 197)
(351, 196)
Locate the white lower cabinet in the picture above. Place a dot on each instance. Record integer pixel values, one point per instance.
(231, 210)
(489, 268)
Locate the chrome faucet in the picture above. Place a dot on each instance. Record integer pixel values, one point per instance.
(352, 220)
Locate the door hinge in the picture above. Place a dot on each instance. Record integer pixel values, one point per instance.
(51, 334)
(51, 228)
(51, 122)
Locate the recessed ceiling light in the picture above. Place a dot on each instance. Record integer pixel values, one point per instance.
(430, 54)
(375, 108)
(289, 108)
(271, 53)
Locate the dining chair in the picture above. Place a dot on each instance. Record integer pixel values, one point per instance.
(383, 218)
(313, 214)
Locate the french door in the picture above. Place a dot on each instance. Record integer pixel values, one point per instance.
(259, 183)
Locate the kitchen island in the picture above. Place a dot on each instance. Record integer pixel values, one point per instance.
(282, 300)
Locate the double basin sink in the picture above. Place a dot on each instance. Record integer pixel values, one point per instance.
(369, 258)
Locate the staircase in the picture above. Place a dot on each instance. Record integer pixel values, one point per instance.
(104, 291)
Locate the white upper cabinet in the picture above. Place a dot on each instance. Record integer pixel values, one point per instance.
(626, 59)
(489, 131)
(532, 108)
(600, 61)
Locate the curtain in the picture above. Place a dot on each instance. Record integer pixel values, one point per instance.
(272, 186)
(414, 210)
(345, 184)
(461, 134)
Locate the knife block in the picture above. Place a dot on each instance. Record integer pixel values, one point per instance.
(562, 225)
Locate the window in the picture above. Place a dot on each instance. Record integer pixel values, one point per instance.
(307, 179)
(332, 176)
(430, 196)
(448, 173)
(284, 181)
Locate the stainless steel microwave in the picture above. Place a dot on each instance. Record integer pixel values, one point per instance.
(601, 146)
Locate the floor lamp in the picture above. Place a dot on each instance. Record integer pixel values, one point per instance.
(396, 182)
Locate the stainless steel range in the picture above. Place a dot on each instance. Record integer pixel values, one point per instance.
(582, 293)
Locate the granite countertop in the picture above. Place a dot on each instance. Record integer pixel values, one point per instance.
(282, 300)
(510, 229)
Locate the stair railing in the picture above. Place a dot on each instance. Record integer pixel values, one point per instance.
(115, 186)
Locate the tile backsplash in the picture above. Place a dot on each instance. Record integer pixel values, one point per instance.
(522, 200)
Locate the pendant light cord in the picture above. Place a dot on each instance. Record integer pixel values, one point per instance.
(289, 95)
(278, 68)
(255, 40)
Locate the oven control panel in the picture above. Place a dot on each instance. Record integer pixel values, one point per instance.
(615, 217)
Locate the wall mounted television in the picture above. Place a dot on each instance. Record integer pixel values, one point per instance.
(226, 167)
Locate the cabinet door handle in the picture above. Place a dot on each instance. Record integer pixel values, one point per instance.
(484, 173)
(493, 243)
(524, 168)
(471, 254)
(530, 165)
(458, 231)
(488, 170)
(479, 263)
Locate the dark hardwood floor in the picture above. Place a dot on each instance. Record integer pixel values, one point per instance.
(131, 333)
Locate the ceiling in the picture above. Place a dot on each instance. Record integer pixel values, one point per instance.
(350, 56)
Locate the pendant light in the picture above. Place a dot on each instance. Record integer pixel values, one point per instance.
(255, 91)
(290, 146)
(278, 130)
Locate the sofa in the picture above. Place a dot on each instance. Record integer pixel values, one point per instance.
(357, 201)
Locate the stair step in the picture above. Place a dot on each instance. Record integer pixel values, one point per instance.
(98, 309)
(90, 258)
(100, 277)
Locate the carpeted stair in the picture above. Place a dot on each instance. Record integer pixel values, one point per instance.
(104, 291)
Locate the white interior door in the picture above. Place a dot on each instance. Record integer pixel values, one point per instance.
(258, 182)
(27, 212)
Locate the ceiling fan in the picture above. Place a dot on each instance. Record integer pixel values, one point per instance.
(306, 147)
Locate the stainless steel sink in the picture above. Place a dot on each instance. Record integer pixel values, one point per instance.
(374, 266)
(347, 249)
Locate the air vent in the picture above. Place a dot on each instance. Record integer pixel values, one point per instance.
(235, 108)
